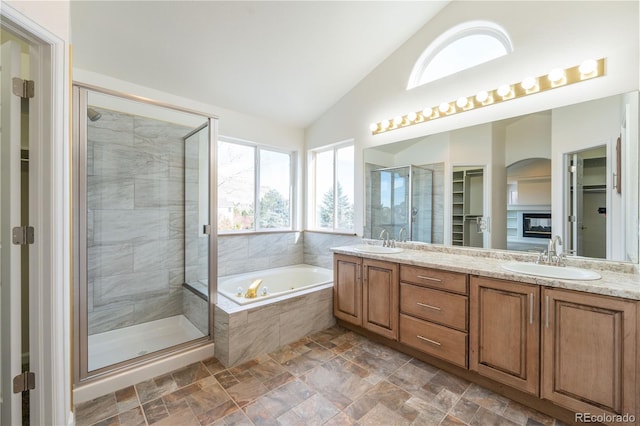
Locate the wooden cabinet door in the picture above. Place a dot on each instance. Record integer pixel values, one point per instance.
(589, 348)
(347, 288)
(504, 332)
(380, 298)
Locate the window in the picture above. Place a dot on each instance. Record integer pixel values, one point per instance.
(332, 188)
(254, 188)
(463, 46)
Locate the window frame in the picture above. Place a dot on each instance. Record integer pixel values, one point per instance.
(257, 148)
(446, 39)
(312, 223)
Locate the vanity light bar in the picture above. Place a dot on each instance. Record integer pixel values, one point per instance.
(557, 77)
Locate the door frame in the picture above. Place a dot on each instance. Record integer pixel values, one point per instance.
(50, 215)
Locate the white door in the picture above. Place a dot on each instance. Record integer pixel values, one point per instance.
(10, 209)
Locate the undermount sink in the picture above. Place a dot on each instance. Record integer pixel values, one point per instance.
(549, 271)
(364, 248)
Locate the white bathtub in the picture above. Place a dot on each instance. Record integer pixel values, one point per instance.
(278, 281)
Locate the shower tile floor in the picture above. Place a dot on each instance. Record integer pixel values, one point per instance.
(334, 377)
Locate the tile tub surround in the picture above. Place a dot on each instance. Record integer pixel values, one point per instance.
(332, 377)
(266, 250)
(135, 215)
(244, 332)
(317, 247)
(618, 279)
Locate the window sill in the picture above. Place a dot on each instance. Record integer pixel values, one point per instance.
(261, 232)
(326, 231)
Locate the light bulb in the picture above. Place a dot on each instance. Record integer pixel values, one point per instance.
(398, 120)
(528, 83)
(504, 90)
(373, 127)
(426, 113)
(384, 124)
(412, 116)
(482, 96)
(556, 75)
(588, 67)
(444, 107)
(462, 102)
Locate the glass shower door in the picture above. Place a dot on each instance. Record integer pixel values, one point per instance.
(144, 176)
(421, 204)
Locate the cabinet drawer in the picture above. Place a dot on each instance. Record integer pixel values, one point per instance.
(433, 339)
(434, 305)
(435, 278)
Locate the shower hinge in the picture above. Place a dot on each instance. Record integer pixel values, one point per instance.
(23, 88)
(23, 235)
(24, 382)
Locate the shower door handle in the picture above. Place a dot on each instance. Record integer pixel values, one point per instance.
(206, 229)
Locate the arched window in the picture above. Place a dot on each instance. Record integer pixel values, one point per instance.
(463, 46)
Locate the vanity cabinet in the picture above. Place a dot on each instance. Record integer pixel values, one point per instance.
(433, 312)
(504, 332)
(365, 293)
(347, 288)
(380, 298)
(589, 345)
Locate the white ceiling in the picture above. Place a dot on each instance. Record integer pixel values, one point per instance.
(284, 61)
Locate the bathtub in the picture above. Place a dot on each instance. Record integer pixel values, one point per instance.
(278, 282)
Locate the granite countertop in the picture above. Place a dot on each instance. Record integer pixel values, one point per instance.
(618, 279)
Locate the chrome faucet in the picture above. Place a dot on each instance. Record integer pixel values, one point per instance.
(402, 235)
(385, 240)
(552, 249)
(550, 255)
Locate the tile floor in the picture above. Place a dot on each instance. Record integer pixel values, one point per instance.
(334, 377)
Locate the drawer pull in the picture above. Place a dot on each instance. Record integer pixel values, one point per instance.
(424, 305)
(429, 340)
(422, 277)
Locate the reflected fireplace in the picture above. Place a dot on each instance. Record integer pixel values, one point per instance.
(536, 225)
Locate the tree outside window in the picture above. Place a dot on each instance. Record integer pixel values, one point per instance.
(254, 188)
(333, 175)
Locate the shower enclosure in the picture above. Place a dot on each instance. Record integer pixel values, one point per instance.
(143, 206)
(401, 198)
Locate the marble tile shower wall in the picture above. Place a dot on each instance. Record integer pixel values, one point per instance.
(254, 252)
(135, 215)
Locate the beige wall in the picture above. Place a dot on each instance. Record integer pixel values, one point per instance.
(52, 15)
(545, 35)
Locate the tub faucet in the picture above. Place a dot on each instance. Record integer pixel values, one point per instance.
(252, 291)
(385, 240)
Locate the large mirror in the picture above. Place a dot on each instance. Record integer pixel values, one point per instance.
(513, 184)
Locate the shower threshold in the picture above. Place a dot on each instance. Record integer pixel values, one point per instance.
(112, 347)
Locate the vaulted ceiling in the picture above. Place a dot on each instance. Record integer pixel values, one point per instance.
(284, 61)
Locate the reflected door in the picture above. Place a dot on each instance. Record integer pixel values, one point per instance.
(577, 175)
(588, 202)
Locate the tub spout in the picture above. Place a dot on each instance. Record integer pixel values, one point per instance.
(252, 291)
